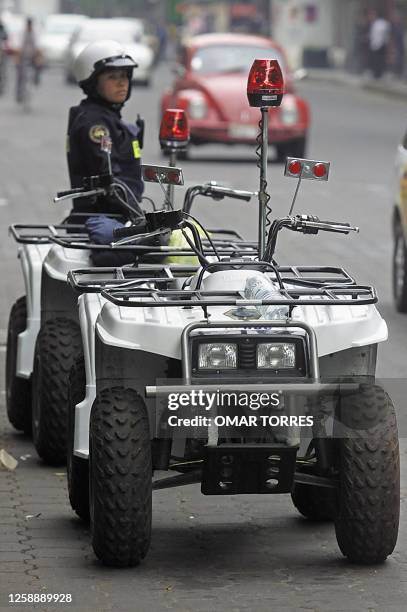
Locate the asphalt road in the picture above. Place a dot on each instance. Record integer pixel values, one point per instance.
(244, 553)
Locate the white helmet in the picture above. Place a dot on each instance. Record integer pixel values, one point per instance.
(99, 56)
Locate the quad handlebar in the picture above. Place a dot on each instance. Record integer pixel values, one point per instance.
(306, 224)
(215, 191)
(74, 194)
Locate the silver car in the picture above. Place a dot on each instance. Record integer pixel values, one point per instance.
(129, 32)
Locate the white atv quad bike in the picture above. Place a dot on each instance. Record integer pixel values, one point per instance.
(44, 322)
(305, 336)
(25, 316)
(36, 242)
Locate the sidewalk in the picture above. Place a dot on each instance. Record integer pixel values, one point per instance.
(388, 85)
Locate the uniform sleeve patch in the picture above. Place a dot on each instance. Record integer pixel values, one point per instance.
(136, 149)
(97, 132)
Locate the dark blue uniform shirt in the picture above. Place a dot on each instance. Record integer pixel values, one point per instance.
(87, 125)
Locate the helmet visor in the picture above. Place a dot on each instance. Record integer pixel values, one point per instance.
(117, 61)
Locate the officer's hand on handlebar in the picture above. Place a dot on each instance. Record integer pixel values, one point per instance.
(101, 229)
(126, 232)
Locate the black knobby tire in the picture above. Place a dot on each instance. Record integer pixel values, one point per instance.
(18, 390)
(58, 344)
(77, 468)
(400, 269)
(120, 469)
(315, 503)
(368, 497)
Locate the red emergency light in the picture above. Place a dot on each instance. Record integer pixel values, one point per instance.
(295, 167)
(265, 85)
(307, 169)
(174, 129)
(319, 170)
(162, 174)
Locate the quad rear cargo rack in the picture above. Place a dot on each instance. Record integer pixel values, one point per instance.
(75, 236)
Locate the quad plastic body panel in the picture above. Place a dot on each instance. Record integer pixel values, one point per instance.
(40, 263)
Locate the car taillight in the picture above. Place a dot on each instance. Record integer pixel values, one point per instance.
(265, 85)
(174, 129)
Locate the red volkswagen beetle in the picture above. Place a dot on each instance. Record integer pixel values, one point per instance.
(211, 86)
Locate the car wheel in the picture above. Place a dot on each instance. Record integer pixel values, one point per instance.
(77, 468)
(368, 494)
(120, 469)
(18, 390)
(58, 344)
(296, 148)
(400, 269)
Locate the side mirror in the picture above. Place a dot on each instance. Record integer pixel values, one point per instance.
(300, 74)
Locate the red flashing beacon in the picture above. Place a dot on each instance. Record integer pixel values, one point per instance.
(265, 85)
(174, 129)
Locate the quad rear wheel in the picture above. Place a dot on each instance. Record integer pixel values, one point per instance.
(120, 470)
(18, 390)
(58, 344)
(368, 496)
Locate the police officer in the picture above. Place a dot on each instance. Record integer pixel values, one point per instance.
(104, 71)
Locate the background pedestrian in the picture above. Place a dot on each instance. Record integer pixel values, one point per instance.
(379, 36)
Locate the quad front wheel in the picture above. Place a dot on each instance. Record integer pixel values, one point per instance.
(18, 390)
(58, 344)
(368, 495)
(120, 470)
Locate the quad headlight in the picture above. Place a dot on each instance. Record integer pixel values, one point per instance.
(217, 356)
(276, 355)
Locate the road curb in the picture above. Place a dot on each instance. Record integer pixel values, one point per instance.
(391, 88)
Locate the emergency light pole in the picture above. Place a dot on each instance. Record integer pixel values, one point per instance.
(174, 137)
(265, 89)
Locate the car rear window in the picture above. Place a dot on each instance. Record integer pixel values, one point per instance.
(218, 59)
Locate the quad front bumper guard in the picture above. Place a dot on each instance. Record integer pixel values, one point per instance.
(307, 386)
